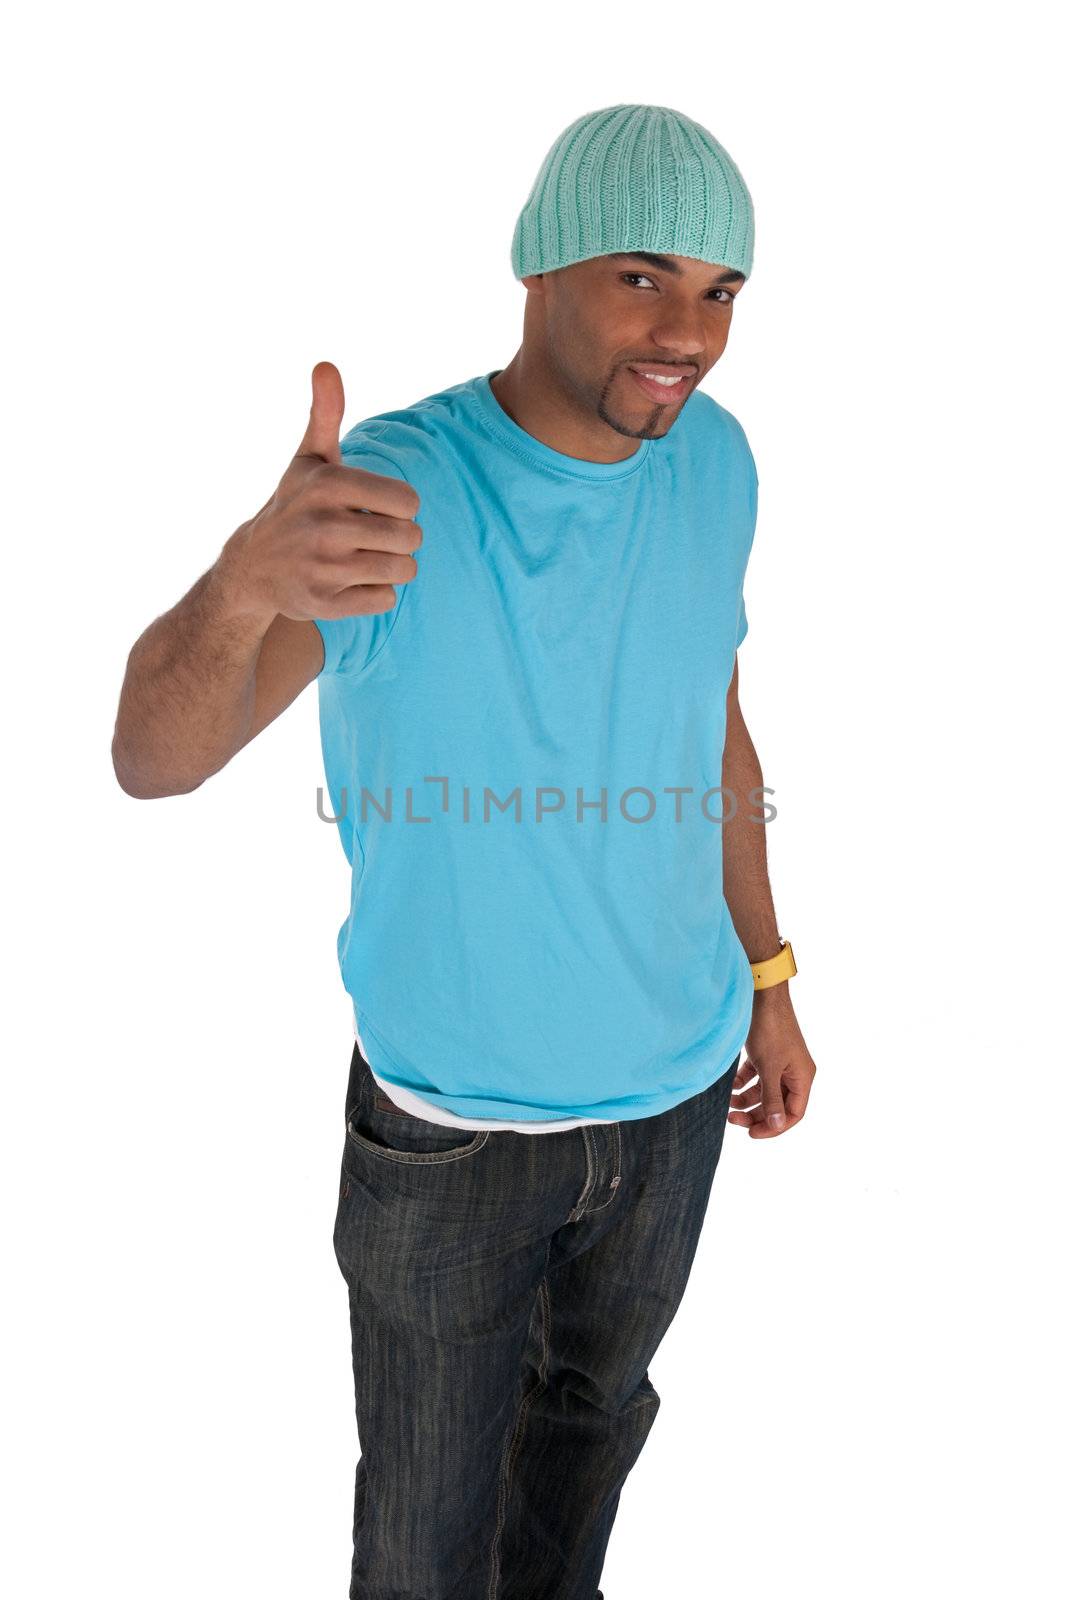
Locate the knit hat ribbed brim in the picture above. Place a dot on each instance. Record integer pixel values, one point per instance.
(635, 177)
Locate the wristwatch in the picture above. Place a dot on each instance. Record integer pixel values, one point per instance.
(778, 969)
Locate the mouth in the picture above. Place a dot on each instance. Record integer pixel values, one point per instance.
(662, 384)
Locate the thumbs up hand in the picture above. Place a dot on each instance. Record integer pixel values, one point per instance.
(331, 540)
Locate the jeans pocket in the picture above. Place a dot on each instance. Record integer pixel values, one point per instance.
(378, 1127)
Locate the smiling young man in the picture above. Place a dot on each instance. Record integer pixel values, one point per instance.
(554, 953)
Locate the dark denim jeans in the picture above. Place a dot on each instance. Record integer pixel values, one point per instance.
(506, 1294)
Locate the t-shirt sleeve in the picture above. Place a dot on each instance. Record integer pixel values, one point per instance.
(351, 644)
(741, 629)
(752, 499)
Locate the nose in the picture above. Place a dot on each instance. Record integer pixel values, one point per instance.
(680, 338)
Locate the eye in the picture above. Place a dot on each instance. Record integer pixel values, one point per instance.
(727, 296)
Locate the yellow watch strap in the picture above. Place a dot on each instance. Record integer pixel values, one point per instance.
(777, 969)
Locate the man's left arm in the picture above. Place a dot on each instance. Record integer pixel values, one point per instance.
(772, 1085)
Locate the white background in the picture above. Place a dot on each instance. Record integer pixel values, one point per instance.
(870, 1388)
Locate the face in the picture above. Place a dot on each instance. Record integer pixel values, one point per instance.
(610, 323)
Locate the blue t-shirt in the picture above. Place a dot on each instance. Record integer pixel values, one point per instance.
(553, 939)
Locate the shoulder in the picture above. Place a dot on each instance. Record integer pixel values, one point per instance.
(412, 438)
(729, 448)
(720, 423)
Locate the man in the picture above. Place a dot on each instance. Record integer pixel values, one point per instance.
(531, 734)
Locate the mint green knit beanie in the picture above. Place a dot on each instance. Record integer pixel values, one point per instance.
(635, 178)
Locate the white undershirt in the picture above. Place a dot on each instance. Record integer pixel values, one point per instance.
(448, 1119)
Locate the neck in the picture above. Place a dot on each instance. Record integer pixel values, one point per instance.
(528, 392)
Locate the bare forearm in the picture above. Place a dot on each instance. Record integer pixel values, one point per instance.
(745, 857)
(186, 703)
(774, 1081)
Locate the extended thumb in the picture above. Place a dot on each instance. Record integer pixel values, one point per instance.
(321, 438)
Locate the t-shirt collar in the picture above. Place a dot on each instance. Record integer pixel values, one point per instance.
(501, 425)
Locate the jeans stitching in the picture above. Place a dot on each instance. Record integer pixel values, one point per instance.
(513, 1446)
(417, 1158)
(591, 1173)
(617, 1132)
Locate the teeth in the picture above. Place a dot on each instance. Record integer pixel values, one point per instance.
(656, 378)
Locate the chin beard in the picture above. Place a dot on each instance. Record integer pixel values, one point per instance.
(646, 431)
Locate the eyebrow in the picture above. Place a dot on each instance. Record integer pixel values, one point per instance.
(663, 264)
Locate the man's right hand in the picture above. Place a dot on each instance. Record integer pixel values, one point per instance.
(332, 540)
